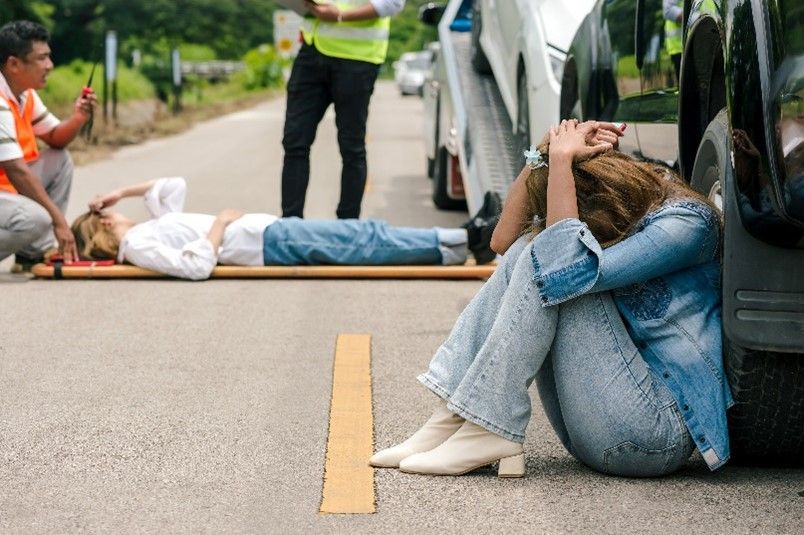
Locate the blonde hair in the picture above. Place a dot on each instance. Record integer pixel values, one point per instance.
(614, 192)
(93, 239)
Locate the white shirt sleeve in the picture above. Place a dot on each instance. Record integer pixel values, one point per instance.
(165, 196)
(9, 146)
(194, 261)
(387, 8)
(672, 9)
(43, 121)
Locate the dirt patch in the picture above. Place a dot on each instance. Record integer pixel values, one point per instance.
(147, 119)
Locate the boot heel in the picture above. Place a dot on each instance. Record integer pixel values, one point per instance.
(512, 466)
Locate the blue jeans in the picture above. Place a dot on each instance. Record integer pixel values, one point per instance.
(599, 395)
(293, 241)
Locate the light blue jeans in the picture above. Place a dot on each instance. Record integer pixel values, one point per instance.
(293, 241)
(600, 397)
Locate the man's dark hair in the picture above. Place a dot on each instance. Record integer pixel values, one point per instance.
(17, 38)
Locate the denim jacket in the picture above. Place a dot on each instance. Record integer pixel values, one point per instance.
(665, 281)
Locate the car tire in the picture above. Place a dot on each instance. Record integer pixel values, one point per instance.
(440, 197)
(479, 60)
(522, 131)
(766, 423)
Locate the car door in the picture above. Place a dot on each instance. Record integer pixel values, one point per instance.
(501, 23)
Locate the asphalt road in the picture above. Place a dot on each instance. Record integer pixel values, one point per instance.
(170, 406)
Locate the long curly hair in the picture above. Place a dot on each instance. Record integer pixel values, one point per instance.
(614, 192)
(94, 241)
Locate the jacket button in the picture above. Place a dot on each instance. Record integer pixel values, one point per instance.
(701, 439)
(583, 233)
(544, 299)
(686, 407)
(666, 375)
(540, 284)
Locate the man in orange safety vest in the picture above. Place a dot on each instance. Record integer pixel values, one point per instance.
(34, 184)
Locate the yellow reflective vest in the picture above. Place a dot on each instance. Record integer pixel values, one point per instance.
(672, 36)
(362, 40)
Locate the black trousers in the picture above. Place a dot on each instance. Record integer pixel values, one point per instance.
(317, 81)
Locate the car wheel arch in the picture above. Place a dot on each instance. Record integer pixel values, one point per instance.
(702, 88)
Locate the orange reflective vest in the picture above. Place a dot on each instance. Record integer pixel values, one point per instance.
(25, 135)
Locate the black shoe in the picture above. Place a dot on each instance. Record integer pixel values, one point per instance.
(491, 209)
(480, 228)
(24, 264)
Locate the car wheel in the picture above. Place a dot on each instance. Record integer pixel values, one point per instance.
(522, 132)
(440, 177)
(766, 424)
(479, 60)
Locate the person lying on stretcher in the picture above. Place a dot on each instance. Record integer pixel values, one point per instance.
(189, 246)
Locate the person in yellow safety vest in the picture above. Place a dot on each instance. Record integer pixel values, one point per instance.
(673, 11)
(34, 186)
(345, 42)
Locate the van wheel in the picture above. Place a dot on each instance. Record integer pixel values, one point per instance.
(440, 178)
(766, 423)
(479, 60)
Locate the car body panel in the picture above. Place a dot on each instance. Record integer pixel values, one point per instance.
(518, 38)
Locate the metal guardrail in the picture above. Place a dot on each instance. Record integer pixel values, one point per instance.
(212, 70)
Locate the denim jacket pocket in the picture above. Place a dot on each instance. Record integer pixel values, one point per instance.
(631, 460)
(647, 300)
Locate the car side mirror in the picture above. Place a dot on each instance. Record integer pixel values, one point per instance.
(431, 13)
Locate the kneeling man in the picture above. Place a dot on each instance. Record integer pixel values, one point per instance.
(34, 185)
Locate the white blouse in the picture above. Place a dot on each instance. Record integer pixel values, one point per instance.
(175, 243)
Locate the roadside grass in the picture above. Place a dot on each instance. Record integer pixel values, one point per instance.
(139, 121)
(65, 83)
(140, 115)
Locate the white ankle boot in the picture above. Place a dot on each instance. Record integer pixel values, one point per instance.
(469, 448)
(441, 425)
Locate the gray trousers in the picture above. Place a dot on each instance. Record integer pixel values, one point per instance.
(25, 226)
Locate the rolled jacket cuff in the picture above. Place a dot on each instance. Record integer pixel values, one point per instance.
(566, 259)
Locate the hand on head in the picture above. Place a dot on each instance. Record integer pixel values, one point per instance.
(580, 141)
(103, 200)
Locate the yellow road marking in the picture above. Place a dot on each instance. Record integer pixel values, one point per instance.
(348, 479)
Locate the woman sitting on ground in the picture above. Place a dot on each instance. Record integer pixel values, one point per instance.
(189, 245)
(608, 296)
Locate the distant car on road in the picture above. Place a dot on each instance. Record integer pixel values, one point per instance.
(410, 71)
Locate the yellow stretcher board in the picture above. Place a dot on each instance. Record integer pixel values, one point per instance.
(123, 271)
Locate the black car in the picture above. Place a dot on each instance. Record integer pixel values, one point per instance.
(723, 105)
